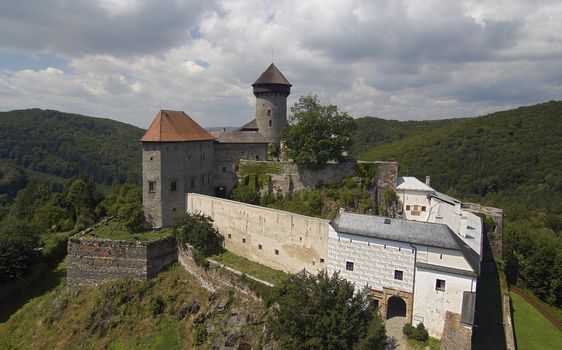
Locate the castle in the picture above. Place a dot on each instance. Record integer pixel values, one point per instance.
(423, 265)
(179, 156)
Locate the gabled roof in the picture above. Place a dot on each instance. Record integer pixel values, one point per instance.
(272, 75)
(411, 183)
(175, 126)
(239, 136)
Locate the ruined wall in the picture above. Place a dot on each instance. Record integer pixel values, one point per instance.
(275, 238)
(93, 261)
(496, 237)
(283, 177)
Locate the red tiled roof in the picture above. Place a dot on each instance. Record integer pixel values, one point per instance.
(175, 126)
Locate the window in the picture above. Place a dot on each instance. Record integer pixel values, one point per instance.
(229, 235)
(423, 208)
(408, 208)
(150, 158)
(224, 169)
(259, 246)
(269, 114)
(269, 122)
(151, 186)
(276, 251)
(173, 186)
(192, 182)
(321, 260)
(440, 285)
(398, 275)
(349, 266)
(416, 210)
(243, 240)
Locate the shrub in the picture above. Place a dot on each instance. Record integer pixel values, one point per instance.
(197, 230)
(199, 334)
(156, 304)
(417, 333)
(17, 257)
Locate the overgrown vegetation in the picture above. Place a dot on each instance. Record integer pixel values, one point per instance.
(509, 159)
(316, 133)
(325, 312)
(197, 230)
(418, 333)
(250, 267)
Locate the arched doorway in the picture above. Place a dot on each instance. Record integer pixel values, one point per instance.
(395, 306)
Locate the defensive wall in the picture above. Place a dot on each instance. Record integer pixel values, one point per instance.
(275, 238)
(496, 236)
(92, 261)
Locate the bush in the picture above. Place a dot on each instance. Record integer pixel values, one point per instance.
(156, 304)
(198, 231)
(417, 333)
(17, 257)
(199, 334)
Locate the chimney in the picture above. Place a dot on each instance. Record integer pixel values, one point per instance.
(427, 180)
(458, 208)
(464, 226)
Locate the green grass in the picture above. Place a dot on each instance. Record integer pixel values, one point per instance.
(116, 231)
(532, 330)
(251, 268)
(431, 343)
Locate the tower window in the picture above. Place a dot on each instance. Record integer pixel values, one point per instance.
(173, 186)
(224, 169)
(151, 186)
(269, 114)
(269, 122)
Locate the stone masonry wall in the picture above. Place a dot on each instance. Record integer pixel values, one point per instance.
(455, 335)
(93, 261)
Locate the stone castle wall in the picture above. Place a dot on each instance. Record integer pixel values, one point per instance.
(93, 261)
(275, 238)
(284, 177)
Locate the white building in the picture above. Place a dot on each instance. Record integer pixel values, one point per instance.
(418, 268)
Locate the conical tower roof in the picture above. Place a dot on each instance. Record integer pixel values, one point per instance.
(175, 126)
(272, 75)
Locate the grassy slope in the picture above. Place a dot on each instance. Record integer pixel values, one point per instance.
(532, 330)
(251, 268)
(65, 145)
(117, 315)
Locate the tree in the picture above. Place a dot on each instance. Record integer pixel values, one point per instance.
(325, 312)
(17, 257)
(316, 133)
(125, 204)
(197, 230)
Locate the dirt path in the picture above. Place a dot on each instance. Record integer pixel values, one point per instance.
(394, 327)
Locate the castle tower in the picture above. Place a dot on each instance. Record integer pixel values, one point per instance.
(271, 91)
(177, 158)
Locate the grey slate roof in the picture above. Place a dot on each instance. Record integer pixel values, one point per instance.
(252, 125)
(239, 136)
(272, 75)
(407, 231)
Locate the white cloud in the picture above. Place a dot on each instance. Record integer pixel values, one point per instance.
(395, 59)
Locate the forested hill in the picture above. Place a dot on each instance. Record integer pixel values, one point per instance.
(64, 145)
(473, 157)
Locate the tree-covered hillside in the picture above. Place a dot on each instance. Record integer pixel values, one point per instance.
(63, 145)
(510, 159)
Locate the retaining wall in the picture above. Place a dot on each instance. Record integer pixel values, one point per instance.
(93, 261)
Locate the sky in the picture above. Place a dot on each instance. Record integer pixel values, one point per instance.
(393, 59)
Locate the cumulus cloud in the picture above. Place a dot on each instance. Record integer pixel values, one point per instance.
(389, 58)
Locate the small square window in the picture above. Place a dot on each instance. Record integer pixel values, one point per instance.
(321, 260)
(398, 275)
(150, 158)
(276, 251)
(173, 186)
(408, 207)
(259, 246)
(440, 285)
(423, 208)
(151, 186)
(243, 240)
(349, 266)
